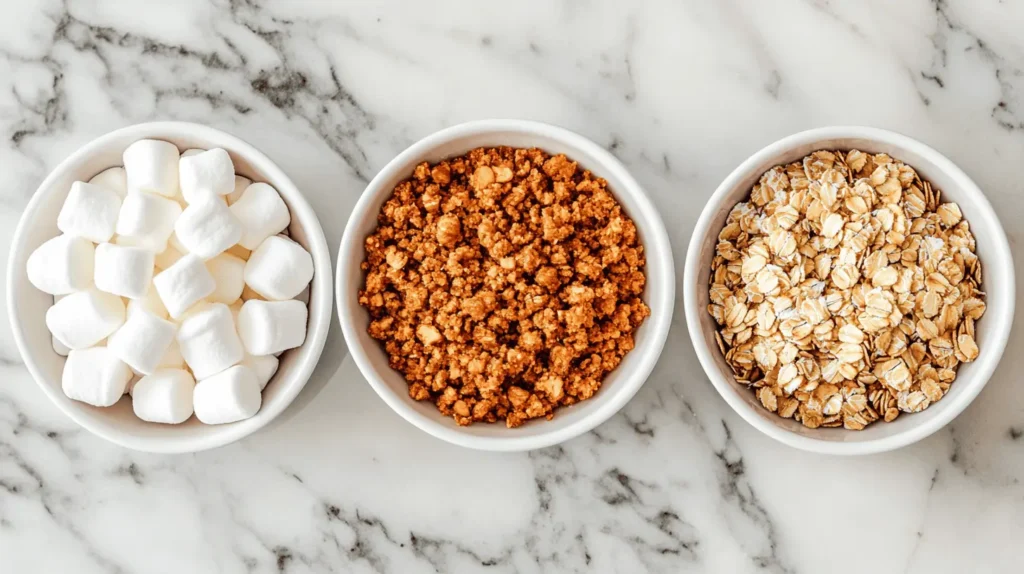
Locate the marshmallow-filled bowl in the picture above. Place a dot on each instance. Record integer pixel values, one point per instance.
(29, 303)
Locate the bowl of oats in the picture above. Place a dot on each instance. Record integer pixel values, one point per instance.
(505, 285)
(848, 290)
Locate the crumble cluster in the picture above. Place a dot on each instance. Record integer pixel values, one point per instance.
(503, 284)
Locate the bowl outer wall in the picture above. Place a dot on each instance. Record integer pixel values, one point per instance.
(992, 330)
(619, 386)
(27, 306)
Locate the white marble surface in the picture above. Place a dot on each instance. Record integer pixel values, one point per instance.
(682, 92)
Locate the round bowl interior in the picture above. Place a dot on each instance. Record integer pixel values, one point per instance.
(27, 306)
(618, 387)
(997, 281)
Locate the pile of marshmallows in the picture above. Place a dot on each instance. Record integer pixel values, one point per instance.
(171, 270)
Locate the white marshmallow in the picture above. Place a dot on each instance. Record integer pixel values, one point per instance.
(183, 284)
(58, 347)
(191, 152)
(229, 273)
(167, 257)
(90, 211)
(142, 341)
(268, 327)
(209, 342)
(207, 173)
(123, 270)
(85, 318)
(172, 358)
(240, 184)
(175, 242)
(262, 213)
(230, 396)
(152, 165)
(263, 366)
(199, 307)
(148, 219)
(150, 302)
(207, 227)
(279, 268)
(113, 179)
(95, 376)
(62, 265)
(164, 396)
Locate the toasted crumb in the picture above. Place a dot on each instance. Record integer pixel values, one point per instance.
(503, 284)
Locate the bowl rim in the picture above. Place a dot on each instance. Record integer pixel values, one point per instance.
(647, 218)
(323, 286)
(1001, 257)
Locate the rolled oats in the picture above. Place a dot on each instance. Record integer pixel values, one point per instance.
(504, 283)
(845, 291)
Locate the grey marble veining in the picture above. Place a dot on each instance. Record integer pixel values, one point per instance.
(682, 92)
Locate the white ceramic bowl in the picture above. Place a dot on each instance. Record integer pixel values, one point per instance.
(992, 330)
(27, 306)
(619, 386)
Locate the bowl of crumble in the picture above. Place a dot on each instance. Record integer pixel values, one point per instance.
(505, 285)
(848, 290)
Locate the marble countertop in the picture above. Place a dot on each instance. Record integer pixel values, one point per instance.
(682, 92)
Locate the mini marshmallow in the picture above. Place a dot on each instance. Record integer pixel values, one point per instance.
(263, 366)
(172, 358)
(113, 179)
(262, 213)
(150, 302)
(123, 270)
(268, 327)
(164, 396)
(85, 318)
(95, 376)
(229, 273)
(148, 219)
(199, 307)
(191, 152)
(175, 242)
(58, 347)
(167, 257)
(152, 165)
(209, 342)
(207, 227)
(207, 173)
(240, 184)
(62, 265)
(230, 396)
(90, 211)
(279, 268)
(183, 284)
(142, 341)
